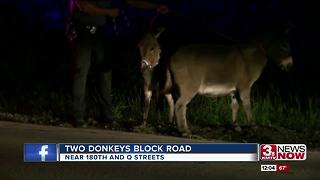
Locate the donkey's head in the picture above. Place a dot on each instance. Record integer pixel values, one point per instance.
(279, 50)
(285, 61)
(150, 50)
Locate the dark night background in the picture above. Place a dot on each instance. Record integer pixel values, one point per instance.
(35, 53)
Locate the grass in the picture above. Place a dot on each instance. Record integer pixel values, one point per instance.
(291, 120)
(269, 110)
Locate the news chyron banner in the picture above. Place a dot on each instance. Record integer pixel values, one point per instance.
(136, 152)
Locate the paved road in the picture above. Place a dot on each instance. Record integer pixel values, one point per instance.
(14, 135)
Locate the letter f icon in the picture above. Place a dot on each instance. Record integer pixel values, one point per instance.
(43, 152)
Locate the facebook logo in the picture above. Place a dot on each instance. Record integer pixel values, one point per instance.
(40, 152)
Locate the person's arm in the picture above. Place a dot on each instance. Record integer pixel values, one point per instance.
(92, 9)
(143, 4)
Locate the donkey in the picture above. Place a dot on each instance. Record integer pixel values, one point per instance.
(214, 70)
(150, 55)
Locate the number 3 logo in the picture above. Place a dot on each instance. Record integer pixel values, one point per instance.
(267, 150)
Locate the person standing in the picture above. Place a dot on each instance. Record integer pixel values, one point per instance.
(89, 17)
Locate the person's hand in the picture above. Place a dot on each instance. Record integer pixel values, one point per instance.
(163, 9)
(114, 12)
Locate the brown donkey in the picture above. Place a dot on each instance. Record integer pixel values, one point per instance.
(213, 70)
(150, 55)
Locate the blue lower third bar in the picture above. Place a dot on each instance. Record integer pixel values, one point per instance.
(160, 148)
(40, 152)
(236, 152)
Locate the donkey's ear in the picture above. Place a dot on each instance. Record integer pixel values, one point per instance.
(158, 32)
(289, 26)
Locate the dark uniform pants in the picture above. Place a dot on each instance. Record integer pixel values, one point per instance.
(90, 49)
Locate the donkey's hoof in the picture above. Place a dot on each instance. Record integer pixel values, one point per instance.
(253, 126)
(140, 128)
(143, 125)
(186, 134)
(197, 137)
(237, 128)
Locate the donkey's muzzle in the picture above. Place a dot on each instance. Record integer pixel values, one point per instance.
(286, 64)
(147, 66)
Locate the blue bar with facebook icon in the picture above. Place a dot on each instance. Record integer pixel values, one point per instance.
(40, 152)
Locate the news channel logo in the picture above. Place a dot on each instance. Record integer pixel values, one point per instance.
(283, 152)
(40, 152)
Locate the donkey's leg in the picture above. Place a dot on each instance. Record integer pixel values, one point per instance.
(146, 107)
(235, 109)
(159, 102)
(171, 107)
(245, 97)
(181, 110)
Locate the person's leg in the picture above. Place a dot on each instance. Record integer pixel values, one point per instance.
(105, 81)
(82, 66)
(106, 91)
